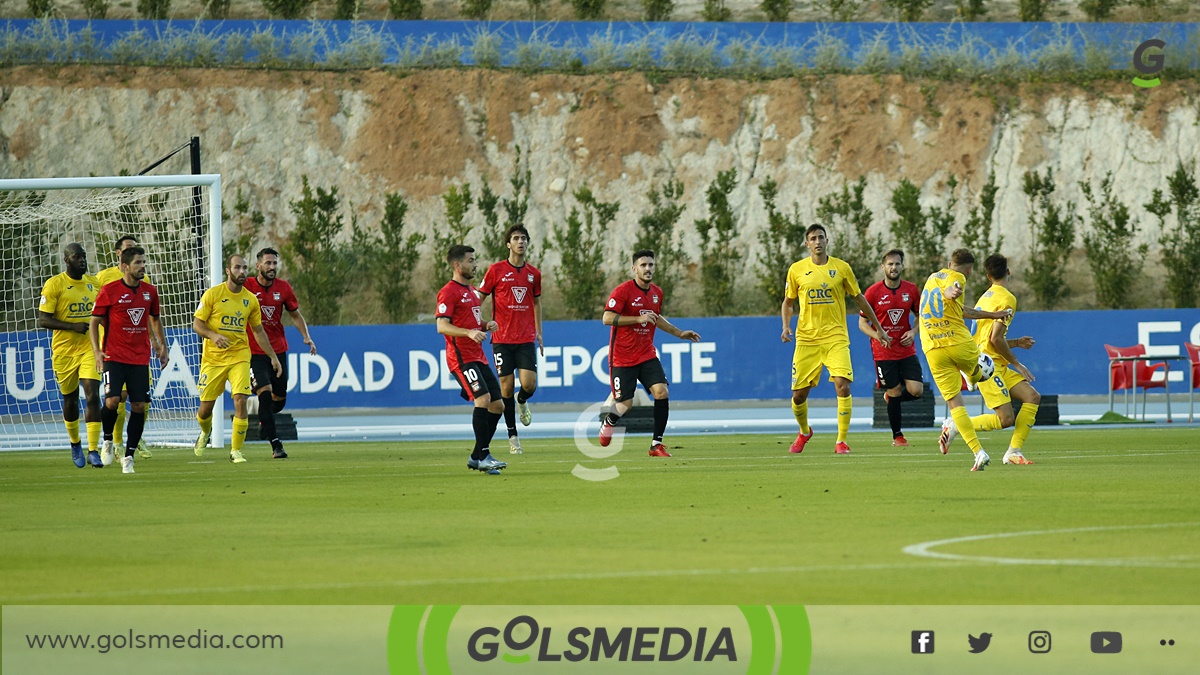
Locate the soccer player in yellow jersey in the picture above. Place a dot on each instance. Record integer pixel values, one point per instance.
(1007, 383)
(66, 310)
(106, 277)
(948, 345)
(225, 312)
(821, 283)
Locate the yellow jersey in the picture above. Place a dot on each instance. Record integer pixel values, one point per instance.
(229, 314)
(111, 274)
(822, 291)
(942, 318)
(70, 300)
(994, 299)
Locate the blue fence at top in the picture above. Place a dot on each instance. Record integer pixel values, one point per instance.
(402, 41)
(737, 358)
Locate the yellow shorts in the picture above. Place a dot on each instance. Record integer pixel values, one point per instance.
(69, 370)
(996, 390)
(212, 380)
(946, 365)
(808, 360)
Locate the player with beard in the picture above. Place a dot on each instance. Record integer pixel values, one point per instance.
(107, 276)
(897, 367)
(225, 313)
(275, 296)
(460, 321)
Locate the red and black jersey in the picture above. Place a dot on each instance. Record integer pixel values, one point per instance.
(514, 290)
(894, 309)
(460, 303)
(128, 309)
(273, 300)
(631, 345)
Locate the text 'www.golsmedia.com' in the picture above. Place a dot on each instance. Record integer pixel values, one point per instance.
(201, 639)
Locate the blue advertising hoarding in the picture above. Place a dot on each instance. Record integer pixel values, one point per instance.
(737, 358)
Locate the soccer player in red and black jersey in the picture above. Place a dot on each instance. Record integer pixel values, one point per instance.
(897, 368)
(275, 296)
(460, 320)
(634, 310)
(128, 311)
(515, 287)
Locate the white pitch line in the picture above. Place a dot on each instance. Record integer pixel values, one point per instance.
(472, 581)
(924, 549)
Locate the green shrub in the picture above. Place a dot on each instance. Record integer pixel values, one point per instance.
(1098, 10)
(909, 10)
(715, 11)
(1115, 261)
(98, 9)
(40, 9)
(719, 254)
(838, 10)
(656, 231)
(287, 9)
(1181, 244)
(588, 10)
(389, 258)
(346, 10)
(849, 222)
(475, 9)
(922, 233)
(1033, 10)
(776, 10)
(657, 10)
(456, 229)
(580, 244)
(406, 10)
(321, 267)
(977, 235)
(1053, 228)
(781, 242)
(971, 10)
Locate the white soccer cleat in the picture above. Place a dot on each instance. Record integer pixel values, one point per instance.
(514, 446)
(126, 465)
(525, 413)
(201, 443)
(981, 460)
(949, 431)
(106, 453)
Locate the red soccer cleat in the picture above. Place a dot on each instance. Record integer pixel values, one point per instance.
(841, 448)
(606, 434)
(900, 442)
(798, 444)
(659, 450)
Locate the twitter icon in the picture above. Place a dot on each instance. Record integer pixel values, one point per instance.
(979, 644)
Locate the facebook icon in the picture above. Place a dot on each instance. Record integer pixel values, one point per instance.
(922, 642)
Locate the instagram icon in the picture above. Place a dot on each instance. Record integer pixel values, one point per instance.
(1039, 641)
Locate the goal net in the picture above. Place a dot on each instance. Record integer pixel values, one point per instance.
(176, 219)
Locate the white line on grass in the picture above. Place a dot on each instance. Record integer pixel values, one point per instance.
(924, 549)
(410, 583)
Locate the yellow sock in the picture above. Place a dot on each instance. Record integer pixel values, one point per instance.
(72, 431)
(119, 429)
(801, 413)
(205, 424)
(845, 403)
(1023, 425)
(962, 420)
(988, 422)
(94, 429)
(239, 432)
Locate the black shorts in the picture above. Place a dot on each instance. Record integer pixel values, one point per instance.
(515, 357)
(624, 380)
(477, 379)
(134, 379)
(262, 374)
(891, 374)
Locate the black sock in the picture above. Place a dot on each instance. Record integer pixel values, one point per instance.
(893, 407)
(510, 415)
(611, 419)
(266, 418)
(493, 421)
(108, 420)
(907, 396)
(277, 404)
(133, 431)
(479, 419)
(523, 396)
(662, 408)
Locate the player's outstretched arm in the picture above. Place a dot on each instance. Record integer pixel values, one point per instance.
(673, 330)
(302, 326)
(614, 319)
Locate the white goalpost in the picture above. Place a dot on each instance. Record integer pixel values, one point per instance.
(177, 219)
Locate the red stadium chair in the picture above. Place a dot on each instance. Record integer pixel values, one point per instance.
(1193, 352)
(1129, 374)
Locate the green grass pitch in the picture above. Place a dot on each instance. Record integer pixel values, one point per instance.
(1105, 516)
